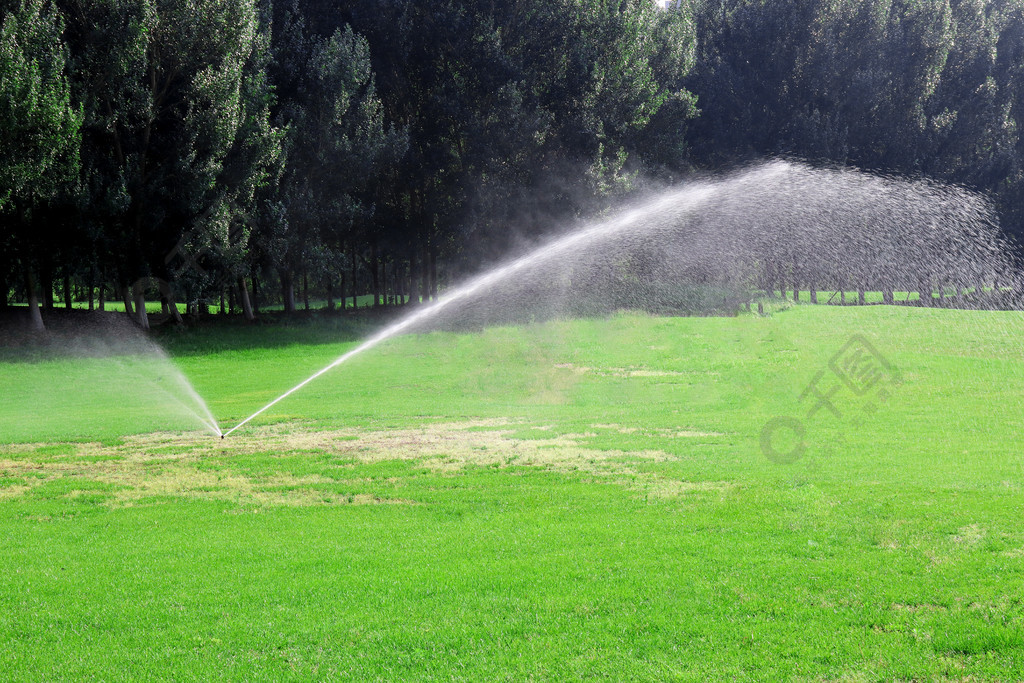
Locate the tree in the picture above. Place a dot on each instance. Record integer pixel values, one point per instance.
(39, 130)
(843, 80)
(338, 146)
(513, 104)
(249, 175)
(163, 85)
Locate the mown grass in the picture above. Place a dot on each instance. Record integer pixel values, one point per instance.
(557, 500)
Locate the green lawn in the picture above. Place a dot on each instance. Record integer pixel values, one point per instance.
(558, 500)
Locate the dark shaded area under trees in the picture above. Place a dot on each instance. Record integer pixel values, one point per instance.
(238, 154)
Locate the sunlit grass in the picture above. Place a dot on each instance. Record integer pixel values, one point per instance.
(557, 500)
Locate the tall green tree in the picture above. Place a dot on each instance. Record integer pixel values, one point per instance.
(545, 105)
(339, 148)
(841, 80)
(164, 88)
(229, 230)
(39, 132)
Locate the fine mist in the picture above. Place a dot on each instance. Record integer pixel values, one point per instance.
(121, 382)
(712, 247)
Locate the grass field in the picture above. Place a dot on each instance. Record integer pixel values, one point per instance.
(631, 497)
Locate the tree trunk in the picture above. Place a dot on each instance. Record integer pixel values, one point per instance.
(167, 294)
(399, 283)
(433, 275)
(126, 297)
(814, 294)
(243, 291)
(305, 290)
(35, 316)
(414, 290)
(355, 293)
(341, 293)
(288, 291)
(330, 293)
(374, 274)
(861, 296)
(139, 294)
(401, 286)
(223, 308)
(255, 296)
(68, 295)
(103, 297)
(425, 274)
(888, 296)
(46, 286)
(396, 283)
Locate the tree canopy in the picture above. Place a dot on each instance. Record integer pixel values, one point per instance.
(239, 152)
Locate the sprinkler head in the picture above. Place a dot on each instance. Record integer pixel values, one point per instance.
(222, 436)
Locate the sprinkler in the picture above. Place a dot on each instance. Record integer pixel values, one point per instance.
(777, 193)
(680, 200)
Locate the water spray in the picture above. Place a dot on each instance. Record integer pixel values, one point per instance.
(680, 201)
(767, 228)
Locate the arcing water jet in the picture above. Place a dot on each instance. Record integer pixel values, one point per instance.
(776, 226)
(678, 201)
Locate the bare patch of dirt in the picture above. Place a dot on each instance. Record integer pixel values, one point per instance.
(138, 474)
(629, 372)
(12, 491)
(666, 433)
(167, 465)
(969, 535)
(920, 607)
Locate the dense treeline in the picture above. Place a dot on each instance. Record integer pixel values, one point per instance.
(212, 151)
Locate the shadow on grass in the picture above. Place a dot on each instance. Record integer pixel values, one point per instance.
(95, 334)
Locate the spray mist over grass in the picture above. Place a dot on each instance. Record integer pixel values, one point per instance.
(112, 378)
(711, 247)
